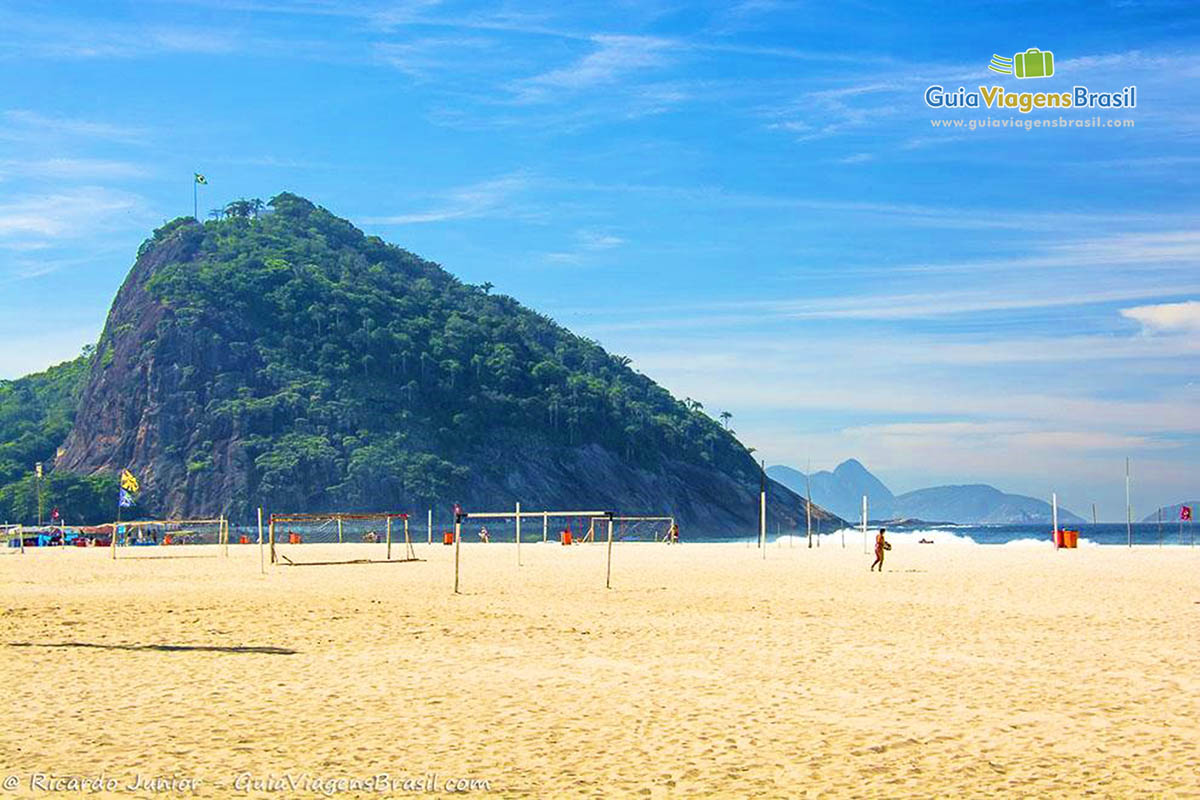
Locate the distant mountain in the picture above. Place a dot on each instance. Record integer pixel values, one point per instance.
(841, 492)
(978, 504)
(1169, 513)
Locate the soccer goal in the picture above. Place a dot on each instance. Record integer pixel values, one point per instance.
(334, 538)
(168, 538)
(637, 528)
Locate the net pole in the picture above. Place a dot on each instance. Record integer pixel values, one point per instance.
(408, 549)
(271, 536)
(762, 523)
(608, 568)
(339, 522)
(866, 544)
(1054, 515)
(545, 526)
(262, 564)
(225, 534)
(457, 544)
(519, 533)
(429, 525)
(389, 538)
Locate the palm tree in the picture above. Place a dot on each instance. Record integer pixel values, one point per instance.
(725, 417)
(487, 287)
(239, 208)
(692, 405)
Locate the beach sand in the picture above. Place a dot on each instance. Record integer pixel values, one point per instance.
(705, 671)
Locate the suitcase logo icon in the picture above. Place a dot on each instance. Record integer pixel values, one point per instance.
(1033, 63)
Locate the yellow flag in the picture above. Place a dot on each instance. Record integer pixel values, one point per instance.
(128, 482)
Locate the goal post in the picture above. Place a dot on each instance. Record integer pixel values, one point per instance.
(575, 523)
(630, 528)
(339, 538)
(159, 538)
(510, 522)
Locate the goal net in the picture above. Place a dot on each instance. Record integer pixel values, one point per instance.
(336, 538)
(535, 526)
(164, 538)
(630, 529)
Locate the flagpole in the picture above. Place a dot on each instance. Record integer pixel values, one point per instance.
(117, 524)
(1128, 507)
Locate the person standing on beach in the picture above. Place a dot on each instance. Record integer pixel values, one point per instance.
(881, 544)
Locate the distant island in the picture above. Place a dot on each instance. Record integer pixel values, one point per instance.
(1173, 513)
(841, 491)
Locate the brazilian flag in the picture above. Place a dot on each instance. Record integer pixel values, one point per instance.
(201, 179)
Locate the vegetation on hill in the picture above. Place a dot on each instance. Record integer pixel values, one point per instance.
(36, 413)
(347, 372)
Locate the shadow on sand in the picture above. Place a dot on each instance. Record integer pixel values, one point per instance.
(169, 648)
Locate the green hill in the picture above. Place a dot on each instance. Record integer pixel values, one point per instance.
(36, 413)
(289, 361)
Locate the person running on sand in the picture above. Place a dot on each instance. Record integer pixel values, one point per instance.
(881, 544)
(484, 536)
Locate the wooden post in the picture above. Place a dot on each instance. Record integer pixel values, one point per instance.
(457, 543)
(608, 568)
(762, 522)
(339, 521)
(1128, 507)
(271, 537)
(262, 564)
(808, 506)
(519, 533)
(225, 535)
(866, 543)
(429, 525)
(1054, 515)
(408, 550)
(389, 538)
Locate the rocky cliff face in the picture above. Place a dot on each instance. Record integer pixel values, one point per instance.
(291, 362)
(149, 384)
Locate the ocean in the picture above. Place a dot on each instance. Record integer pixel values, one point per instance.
(1036, 534)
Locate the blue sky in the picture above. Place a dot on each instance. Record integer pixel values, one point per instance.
(749, 199)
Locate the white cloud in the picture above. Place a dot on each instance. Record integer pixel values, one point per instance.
(71, 213)
(613, 58)
(594, 240)
(1167, 317)
(74, 168)
(484, 199)
(25, 125)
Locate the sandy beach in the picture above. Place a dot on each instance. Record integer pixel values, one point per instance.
(705, 671)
